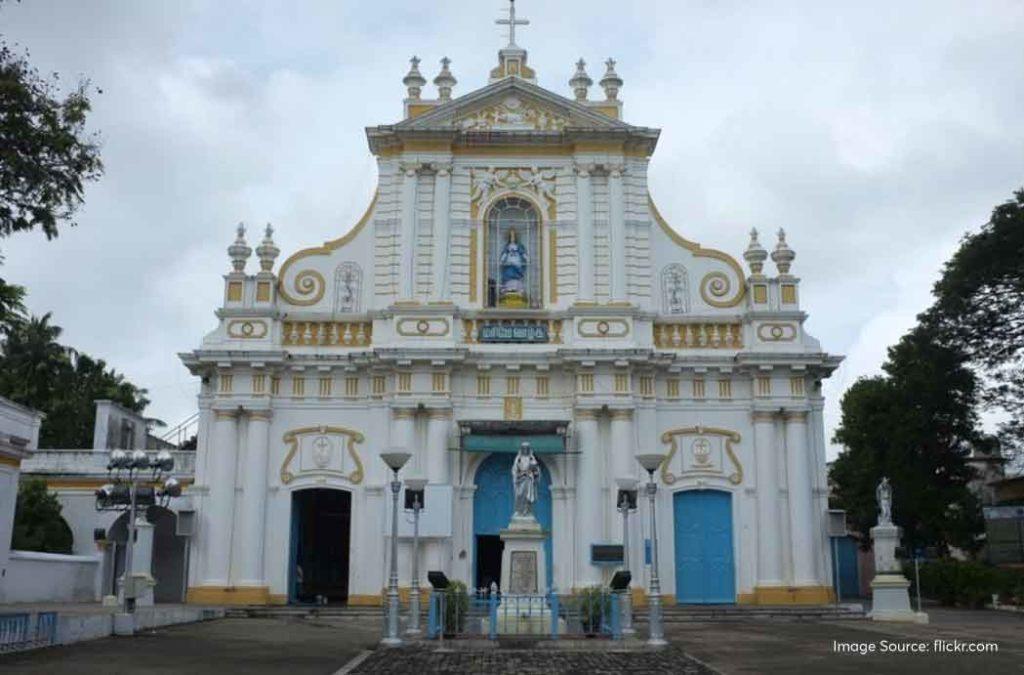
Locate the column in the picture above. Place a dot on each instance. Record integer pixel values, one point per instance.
(407, 271)
(801, 515)
(437, 446)
(442, 230)
(588, 495)
(585, 233)
(252, 515)
(622, 461)
(220, 506)
(617, 233)
(769, 550)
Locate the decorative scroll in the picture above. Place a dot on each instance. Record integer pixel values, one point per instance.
(703, 449)
(715, 288)
(309, 287)
(322, 450)
(602, 328)
(423, 327)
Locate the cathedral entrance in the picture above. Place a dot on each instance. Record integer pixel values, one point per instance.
(492, 510)
(321, 525)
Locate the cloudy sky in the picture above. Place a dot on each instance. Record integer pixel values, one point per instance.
(876, 133)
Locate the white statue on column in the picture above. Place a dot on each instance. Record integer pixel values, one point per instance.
(890, 598)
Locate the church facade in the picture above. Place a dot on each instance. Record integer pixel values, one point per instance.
(511, 281)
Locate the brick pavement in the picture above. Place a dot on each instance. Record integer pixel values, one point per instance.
(419, 661)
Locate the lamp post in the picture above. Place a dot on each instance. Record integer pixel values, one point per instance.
(395, 461)
(414, 501)
(126, 492)
(626, 503)
(656, 637)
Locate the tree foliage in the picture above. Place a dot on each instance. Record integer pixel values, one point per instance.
(37, 371)
(979, 307)
(38, 524)
(915, 424)
(46, 156)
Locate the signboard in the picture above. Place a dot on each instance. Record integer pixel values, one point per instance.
(502, 332)
(606, 554)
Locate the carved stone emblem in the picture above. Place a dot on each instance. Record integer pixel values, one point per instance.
(523, 575)
(322, 451)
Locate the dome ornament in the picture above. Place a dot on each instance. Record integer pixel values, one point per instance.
(414, 79)
(580, 81)
(783, 255)
(755, 255)
(611, 82)
(445, 81)
(239, 251)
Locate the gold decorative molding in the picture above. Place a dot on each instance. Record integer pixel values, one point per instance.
(728, 437)
(715, 286)
(10, 461)
(776, 332)
(234, 291)
(228, 595)
(513, 408)
(304, 287)
(796, 416)
(225, 414)
(788, 294)
(621, 413)
(474, 234)
(602, 328)
(553, 264)
(698, 335)
(760, 294)
(247, 330)
(327, 333)
(423, 327)
(293, 439)
(701, 252)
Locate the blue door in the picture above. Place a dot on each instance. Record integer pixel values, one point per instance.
(849, 579)
(492, 511)
(703, 539)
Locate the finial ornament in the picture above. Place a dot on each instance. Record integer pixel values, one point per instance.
(755, 255)
(445, 81)
(611, 82)
(512, 22)
(267, 251)
(239, 250)
(783, 255)
(580, 81)
(414, 80)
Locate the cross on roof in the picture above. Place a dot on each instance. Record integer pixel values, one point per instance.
(512, 22)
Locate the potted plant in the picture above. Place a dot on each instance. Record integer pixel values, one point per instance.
(456, 607)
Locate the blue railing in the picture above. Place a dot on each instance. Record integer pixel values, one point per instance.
(17, 632)
(490, 615)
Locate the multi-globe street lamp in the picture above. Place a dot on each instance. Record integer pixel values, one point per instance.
(135, 477)
(395, 460)
(656, 638)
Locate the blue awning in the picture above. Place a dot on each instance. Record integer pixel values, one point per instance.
(541, 444)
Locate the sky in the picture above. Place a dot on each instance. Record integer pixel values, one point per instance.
(876, 133)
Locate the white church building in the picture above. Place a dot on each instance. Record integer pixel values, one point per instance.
(511, 280)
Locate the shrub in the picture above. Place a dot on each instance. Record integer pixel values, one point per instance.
(456, 607)
(38, 525)
(591, 604)
(968, 584)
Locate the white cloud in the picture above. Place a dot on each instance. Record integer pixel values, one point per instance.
(876, 133)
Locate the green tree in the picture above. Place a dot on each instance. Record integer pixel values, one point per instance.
(38, 525)
(979, 308)
(915, 424)
(32, 362)
(46, 156)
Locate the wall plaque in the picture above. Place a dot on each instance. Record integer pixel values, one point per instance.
(503, 332)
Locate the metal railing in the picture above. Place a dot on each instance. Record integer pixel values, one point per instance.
(490, 615)
(17, 632)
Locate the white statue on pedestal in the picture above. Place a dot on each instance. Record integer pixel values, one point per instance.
(525, 474)
(883, 493)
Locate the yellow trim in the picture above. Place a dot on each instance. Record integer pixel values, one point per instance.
(790, 595)
(788, 294)
(366, 600)
(417, 109)
(324, 249)
(553, 265)
(263, 291)
(234, 291)
(278, 599)
(608, 110)
(11, 461)
(730, 437)
(229, 595)
(514, 150)
(701, 252)
(473, 254)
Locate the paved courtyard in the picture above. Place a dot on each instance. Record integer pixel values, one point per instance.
(323, 646)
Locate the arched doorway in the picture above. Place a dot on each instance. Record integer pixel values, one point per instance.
(492, 510)
(318, 567)
(705, 573)
(168, 559)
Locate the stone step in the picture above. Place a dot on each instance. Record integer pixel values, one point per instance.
(694, 613)
(324, 611)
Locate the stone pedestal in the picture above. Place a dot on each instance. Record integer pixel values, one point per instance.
(890, 599)
(523, 565)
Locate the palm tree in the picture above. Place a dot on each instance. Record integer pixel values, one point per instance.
(33, 361)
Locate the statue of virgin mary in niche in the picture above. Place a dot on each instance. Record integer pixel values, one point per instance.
(512, 267)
